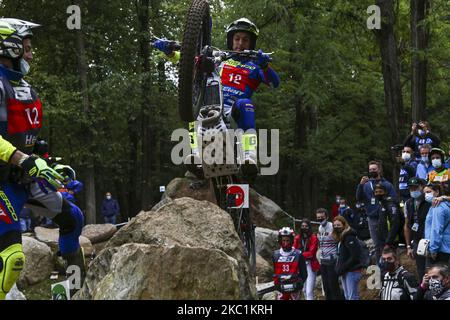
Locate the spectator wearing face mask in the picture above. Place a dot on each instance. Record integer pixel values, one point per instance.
(439, 174)
(396, 282)
(306, 241)
(408, 170)
(110, 209)
(335, 207)
(389, 220)
(347, 212)
(424, 166)
(416, 210)
(348, 264)
(435, 284)
(437, 226)
(327, 257)
(420, 135)
(365, 194)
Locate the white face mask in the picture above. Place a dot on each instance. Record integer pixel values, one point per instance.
(24, 67)
(429, 197)
(108, 197)
(406, 156)
(424, 158)
(437, 163)
(420, 132)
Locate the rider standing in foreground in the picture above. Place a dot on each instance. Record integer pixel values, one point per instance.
(240, 78)
(23, 177)
(289, 262)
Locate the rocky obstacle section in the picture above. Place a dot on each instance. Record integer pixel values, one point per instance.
(184, 249)
(265, 212)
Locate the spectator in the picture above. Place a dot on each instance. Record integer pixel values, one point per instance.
(348, 264)
(365, 194)
(346, 212)
(439, 174)
(307, 243)
(424, 166)
(335, 207)
(396, 282)
(110, 209)
(420, 135)
(408, 170)
(437, 226)
(388, 220)
(289, 262)
(416, 210)
(327, 257)
(361, 222)
(447, 163)
(435, 284)
(25, 219)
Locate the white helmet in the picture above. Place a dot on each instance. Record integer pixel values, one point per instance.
(23, 27)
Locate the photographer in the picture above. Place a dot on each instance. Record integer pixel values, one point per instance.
(420, 135)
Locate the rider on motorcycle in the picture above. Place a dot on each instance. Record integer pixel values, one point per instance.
(290, 266)
(240, 78)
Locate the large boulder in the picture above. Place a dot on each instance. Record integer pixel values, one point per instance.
(48, 236)
(39, 262)
(142, 271)
(266, 241)
(177, 245)
(264, 269)
(266, 213)
(51, 236)
(196, 189)
(99, 232)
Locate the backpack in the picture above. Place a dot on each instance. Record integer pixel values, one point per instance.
(364, 254)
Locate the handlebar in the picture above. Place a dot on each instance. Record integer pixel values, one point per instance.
(173, 45)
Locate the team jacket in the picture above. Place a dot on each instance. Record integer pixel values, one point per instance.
(240, 78)
(399, 285)
(289, 262)
(308, 247)
(20, 114)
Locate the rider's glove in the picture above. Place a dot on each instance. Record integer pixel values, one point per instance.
(262, 59)
(164, 45)
(66, 171)
(37, 168)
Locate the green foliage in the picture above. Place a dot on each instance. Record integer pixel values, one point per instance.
(329, 108)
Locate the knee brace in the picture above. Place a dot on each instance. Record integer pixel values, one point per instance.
(12, 261)
(70, 222)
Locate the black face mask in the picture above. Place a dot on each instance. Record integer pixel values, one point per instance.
(388, 266)
(373, 174)
(379, 197)
(338, 230)
(304, 232)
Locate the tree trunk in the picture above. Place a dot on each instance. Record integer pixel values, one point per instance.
(89, 170)
(419, 43)
(143, 10)
(390, 69)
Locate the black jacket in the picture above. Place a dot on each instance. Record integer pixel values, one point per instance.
(388, 221)
(417, 215)
(348, 253)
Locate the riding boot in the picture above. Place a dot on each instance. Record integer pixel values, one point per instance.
(249, 148)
